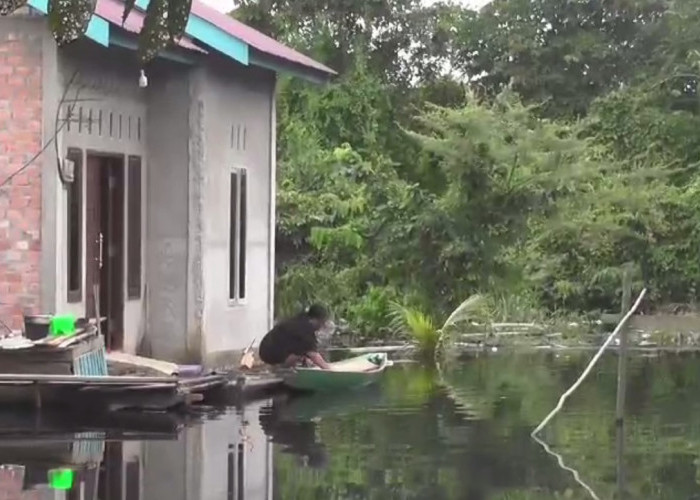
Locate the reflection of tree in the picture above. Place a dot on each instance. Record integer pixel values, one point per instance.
(418, 445)
(416, 441)
(659, 463)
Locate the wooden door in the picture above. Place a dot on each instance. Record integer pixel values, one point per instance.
(112, 294)
(105, 245)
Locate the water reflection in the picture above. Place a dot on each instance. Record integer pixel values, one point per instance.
(293, 436)
(139, 456)
(411, 437)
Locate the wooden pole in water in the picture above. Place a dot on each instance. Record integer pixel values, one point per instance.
(620, 460)
(622, 352)
(622, 382)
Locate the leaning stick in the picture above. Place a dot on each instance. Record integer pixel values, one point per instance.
(588, 369)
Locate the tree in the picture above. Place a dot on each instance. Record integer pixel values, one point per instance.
(572, 153)
(164, 23)
(402, 41)
(559, 54)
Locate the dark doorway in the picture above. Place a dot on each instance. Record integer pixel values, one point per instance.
(104, 233)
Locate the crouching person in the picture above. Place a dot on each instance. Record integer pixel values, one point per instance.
(293, 341)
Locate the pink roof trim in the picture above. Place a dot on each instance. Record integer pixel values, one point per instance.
(112, 11)
(254, 38)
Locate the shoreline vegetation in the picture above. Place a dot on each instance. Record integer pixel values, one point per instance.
(531, 152)
(666, 332)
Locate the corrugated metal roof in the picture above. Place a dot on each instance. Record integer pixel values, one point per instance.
(112, 11)
(254, 38)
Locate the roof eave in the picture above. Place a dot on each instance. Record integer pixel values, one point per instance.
(283, 66)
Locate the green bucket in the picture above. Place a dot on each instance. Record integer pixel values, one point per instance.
(62, 325)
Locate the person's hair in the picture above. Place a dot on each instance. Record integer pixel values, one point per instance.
(317, 311)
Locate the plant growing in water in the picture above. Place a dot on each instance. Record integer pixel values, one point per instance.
(430, 339)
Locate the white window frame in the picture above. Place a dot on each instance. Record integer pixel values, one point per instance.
(236, 245)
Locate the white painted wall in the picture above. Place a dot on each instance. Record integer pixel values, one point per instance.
(230, 100)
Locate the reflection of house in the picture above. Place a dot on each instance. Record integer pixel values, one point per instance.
(29, 464)
(171, 210)
(228, 458)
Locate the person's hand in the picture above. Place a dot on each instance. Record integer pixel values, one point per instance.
(318, 360)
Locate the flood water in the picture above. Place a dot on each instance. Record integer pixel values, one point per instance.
(413, 436)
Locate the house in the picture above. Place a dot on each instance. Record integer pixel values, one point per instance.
(155, 204)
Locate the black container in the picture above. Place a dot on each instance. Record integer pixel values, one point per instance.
(36, 327)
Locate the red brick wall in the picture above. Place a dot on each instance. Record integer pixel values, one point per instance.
(11, 483)
(20, 199)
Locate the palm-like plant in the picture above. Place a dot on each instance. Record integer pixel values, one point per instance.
(406, 320)
(419, 326)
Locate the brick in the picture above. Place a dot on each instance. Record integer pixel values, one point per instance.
(20, 200)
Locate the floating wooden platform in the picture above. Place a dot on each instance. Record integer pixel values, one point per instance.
(112, 392)
(73, 371)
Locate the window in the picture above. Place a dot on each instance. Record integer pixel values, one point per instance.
(74, 227)
(237, 235)
(133, 248)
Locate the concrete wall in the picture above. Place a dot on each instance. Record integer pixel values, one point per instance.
(167, 219)
(104, 88)
(22, 93)
(191, 154)
(236, 99)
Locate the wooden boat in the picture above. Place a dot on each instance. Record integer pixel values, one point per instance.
(346, 374)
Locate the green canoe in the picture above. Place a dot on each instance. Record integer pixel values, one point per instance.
(347, 374)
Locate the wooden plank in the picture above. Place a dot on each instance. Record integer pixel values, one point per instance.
(164, 367)
(199, 380)
(46, 368)
(76, 379)
(145, 387)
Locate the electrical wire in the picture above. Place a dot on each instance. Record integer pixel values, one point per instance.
(57, 129)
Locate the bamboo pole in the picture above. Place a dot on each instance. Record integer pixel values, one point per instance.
(588, 369)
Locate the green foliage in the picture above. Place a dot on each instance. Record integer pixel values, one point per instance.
(559, 54)
(416, 324)
(472, 175)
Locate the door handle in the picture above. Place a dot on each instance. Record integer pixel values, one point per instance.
(100, 242)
